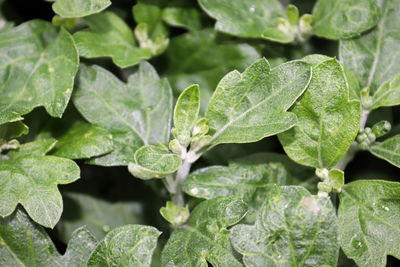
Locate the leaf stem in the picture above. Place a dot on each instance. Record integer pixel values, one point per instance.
(176, 190)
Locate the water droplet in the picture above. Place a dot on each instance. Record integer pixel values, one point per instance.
(106, 228)
(252, 9)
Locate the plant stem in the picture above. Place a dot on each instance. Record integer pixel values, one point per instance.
(176, 191)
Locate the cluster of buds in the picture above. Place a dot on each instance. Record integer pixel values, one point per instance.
(332, 180)
(368, 136)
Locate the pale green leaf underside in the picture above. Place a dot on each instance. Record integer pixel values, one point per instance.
(187, 109)
(388, 94)
(129, 245)
(98, 215)
(205, 238)
(374, 57)
(197, 57)
(342, 19)
(24, 243)
(37, 68)
(242, 17)
(369, 215)
(153, 161)
(31, 179)
(84, 141)
(388, 150)
(109, 36)
(249, 106)
(327, 121)
(293, 228)
(137, 113)
(12, 130)
(79, 8)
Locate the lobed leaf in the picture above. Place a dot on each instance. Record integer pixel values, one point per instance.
(129, 245)
(137, 113)
(37, 68)
(249, 106)
(109, 36)
(342, 19)
(369, 213)
(207, 227)
(327, 121)
(293, 228)
(12, 130)
(79, 8)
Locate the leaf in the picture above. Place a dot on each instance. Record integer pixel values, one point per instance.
(327, 121)
(388, 94)
(12, 130)
(150, 12)
(293, 228)
(243, 18)
(369, 213)
(23, 243)
(37, 69)
(30, 178)
(249, 106)
(388, 150)
(374, 57)
(109, 36)
(137, 113)
(207, 228)
(212, 61)
(129, 245)
(79, 8)
(341, 19)
(98, 215)
(185, 16)
(153, 161)
(84, 141)
(187, 109)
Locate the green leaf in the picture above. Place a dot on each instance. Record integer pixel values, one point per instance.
(249, 106)
(327, 121)
(207, 228)
(388, 94)
(30, 178)
(38, 69)
(137, 113)
(184, 16)
(293, 228)
(150, 12)
(174, 214)
(243, 18)
(187, 109)
(109, 36)
(369, 214)
(12, 130)
(98, 215)
(388, 150)
(342, 19)
(153, 161)
(24, 243)
(374, 57)
(84, 141)
(129, 245)
(196, 57)
(79, 8)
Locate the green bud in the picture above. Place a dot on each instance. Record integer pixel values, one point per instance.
(199, 142)
(284, 26)
(174, 214)
(364, 146)
(362, 137)
(324, 187)
(322, 173)
(366, 99)
(305, 25)
(381, 128)
(201, 128)
(175, 147)
(292, 14)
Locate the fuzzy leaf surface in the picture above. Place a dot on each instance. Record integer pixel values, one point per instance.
(24, 243)
(388, 94)
(374, 57)
(137, 113)
(241, 17)
(83, 141)
(369, 213)
(153, 161)
(37, 68)
(388, 150)
(30, 178)
(249, 106)
(109, 36)
(79, 8)
(341, 19)
(187, 109)
(207, 227)
(293, 228)
(129, 245)
(327, 121)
